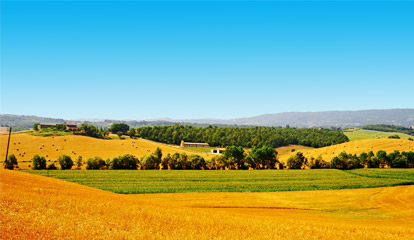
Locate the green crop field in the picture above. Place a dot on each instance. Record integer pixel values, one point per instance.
(155, 181)
(407, 174)
(368, 134)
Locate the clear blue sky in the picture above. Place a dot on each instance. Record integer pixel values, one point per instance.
(141, 60)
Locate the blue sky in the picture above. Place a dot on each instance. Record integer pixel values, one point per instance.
(143, 60)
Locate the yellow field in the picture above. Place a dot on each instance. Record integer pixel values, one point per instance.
(36, 207)
(357, 147)
(288, 149)
(27, 145)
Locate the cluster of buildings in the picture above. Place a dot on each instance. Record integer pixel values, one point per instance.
(68, 126)
(206, 145)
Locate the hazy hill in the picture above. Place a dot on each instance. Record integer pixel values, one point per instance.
(399, 117)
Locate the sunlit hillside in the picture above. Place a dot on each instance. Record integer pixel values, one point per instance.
(356, 147)
(24, 146)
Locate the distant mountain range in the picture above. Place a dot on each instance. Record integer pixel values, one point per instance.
(399, 117)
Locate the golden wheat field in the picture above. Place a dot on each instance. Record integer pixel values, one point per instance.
(24, 146)
(355, 147)
(36, 207)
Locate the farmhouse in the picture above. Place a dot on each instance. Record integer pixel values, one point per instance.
(41, 126)
(68, 126)
(218, 150)
(191, 144)
(71, 126)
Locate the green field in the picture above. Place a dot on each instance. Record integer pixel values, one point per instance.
(155, 181)
(369, 134)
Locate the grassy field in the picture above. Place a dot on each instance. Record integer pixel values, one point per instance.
(368, 134)
(153, 181)
(37, 207)
(355, 147)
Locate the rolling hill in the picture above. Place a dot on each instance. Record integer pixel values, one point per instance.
(399, 117)
(355, 147)
(74, 145)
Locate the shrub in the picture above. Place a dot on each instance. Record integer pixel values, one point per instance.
(79, 162)
(38, 162)
(51, 167)
(65, 162)
(394, 136)
(150, 161)
(10, 162)
(296, 162)
(197, 162)
(95, 163)
(126, 161)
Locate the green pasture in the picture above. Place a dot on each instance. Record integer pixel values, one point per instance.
(369, 134)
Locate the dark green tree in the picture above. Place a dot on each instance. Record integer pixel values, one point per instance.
(10, 162)
(119, 127)
(158, 153)
(38, 162)
(65, 162)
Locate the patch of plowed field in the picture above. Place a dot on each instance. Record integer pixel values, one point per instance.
(356, 147)
(37, 207)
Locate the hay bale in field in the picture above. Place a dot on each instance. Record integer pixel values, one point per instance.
(53, 145)
(40, 148)
(18, 142)
(47, 155)
(17, 149)
(57, 149)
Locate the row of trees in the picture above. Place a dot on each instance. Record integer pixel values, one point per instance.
(39, 162)
(233, 158)
(84, 129)
(389, 128)
(241, 136)
(91, 131)
(347, 161)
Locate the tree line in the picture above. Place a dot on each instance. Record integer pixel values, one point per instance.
(389, 128)
(346, 161)
(235, 157)
(245, 137)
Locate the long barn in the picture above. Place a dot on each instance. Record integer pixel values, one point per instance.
(191, 144)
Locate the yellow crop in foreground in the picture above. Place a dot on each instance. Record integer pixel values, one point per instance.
(356, 147)
(36, 207)
(73, 145)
